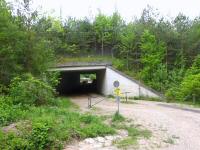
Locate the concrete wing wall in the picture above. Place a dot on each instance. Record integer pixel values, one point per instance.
(126, 84)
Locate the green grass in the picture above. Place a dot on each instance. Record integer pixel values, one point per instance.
(133, 135)
(8, 112)
(189, 103)
(127, 142)
(118, 117)
(169, 141)
(134, 132)
(50, 127)
(84, 59)
(128, 102)
(148, 98)
(116, 63)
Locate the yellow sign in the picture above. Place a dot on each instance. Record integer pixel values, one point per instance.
(117, 91)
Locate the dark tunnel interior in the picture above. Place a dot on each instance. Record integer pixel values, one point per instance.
(80, 82)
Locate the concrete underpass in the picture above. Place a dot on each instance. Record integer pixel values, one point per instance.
(71, 81)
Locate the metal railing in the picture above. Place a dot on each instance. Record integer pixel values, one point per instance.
(126, 95)
(95, 99)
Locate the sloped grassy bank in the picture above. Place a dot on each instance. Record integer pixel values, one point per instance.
(50, 127)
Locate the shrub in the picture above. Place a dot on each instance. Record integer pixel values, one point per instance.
(118, 64)
(8, 112)
(190, 87)
(39, 135)
(52, 78)
(3, 89)
(30, 91)
(47, 127)
(172, 93)
(12, 141)
(35, 137)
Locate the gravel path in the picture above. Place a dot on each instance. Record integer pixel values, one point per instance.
(173, 127)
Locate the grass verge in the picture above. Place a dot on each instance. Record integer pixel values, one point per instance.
(51, 127)
(134, 132)
(133, 135)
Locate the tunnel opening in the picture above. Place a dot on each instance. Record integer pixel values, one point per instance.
(80, 82)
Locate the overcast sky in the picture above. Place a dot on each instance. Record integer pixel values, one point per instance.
(127, 8)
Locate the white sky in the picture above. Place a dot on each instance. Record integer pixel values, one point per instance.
(127, 8)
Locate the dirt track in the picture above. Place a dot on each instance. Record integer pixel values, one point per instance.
(168, 122)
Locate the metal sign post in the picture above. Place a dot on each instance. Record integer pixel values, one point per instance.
(118, 100)
(117, 93)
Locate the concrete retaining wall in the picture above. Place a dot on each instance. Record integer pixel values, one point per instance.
(126, 84)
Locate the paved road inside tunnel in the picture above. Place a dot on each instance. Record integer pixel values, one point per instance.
(182, 126)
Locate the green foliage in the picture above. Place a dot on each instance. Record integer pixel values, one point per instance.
(13, 142)
(118, 64)
(21, 46)
(97, 129)
(9, 112)
(133, 135)
(51, 127)
(155, 50)
(66, 125)
(9, 47)
(189, 88)
(153, 72)
(34, 137)
(3, 89)
(118, 117)
(51, 77)
(195, 68)
(158, 99)
(30, 91)
(39, 135)
(125, 143)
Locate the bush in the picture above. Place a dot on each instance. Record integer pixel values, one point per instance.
(35, 137)
(12, 141)
(118, 64)
(8, 112)
(30, 91)
(172, 93)
(3, 89)
(188, 89)
(51, 127)
(39, 135)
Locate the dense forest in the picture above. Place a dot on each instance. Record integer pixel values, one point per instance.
(162, 53)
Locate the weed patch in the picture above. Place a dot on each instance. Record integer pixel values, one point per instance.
(169, 141)
(50, 127)
(118, 117)
(9, 112)
(126, 142)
